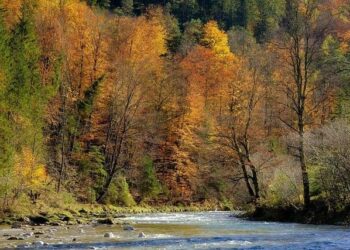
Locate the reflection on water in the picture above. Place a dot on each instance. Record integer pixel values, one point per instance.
(207, 230)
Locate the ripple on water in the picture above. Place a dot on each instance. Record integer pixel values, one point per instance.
(210, 230)
(220, 244)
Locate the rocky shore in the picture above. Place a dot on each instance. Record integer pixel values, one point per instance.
(44, 229)
(77, 225)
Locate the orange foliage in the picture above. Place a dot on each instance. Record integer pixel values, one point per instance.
(207, 74)
(13, 10)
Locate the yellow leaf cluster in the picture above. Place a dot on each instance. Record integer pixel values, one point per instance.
(30, 174)
(215, 39)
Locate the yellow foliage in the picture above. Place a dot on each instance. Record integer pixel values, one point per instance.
(30, 173)
(215, 39)
(140, 42)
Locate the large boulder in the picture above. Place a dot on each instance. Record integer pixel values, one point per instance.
(38, 219)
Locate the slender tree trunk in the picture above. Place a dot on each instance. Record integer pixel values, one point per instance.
(255, 181)
(305, 175)
(246, 180)
(105, 188)
(62, 164)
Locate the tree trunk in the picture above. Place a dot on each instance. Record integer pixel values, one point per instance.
(105, 189)
(246, 179)
(305, 175)
(255, 182)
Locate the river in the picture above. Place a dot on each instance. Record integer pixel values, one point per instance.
(207, 230)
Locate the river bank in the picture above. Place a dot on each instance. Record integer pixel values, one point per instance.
(87, 214)
(317, 214)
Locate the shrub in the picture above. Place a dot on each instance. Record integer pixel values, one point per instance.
(119, 193)
(284, 186)
(328, 149)
(150, 185)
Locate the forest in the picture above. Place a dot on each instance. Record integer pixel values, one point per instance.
(231, 103)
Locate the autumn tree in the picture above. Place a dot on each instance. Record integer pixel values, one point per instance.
(78, 37)
(242, 122)
(133, 68)
(208, 68)
(303, 35)
(23, 103)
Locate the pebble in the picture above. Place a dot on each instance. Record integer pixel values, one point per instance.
(109, 235)
(38, 243)
(128, 228)
(55, 224)
(29, 234)
(82, 231)
(23, 245)
(15, 238)
(142, 235)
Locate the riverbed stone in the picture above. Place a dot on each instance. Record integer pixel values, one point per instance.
(128, 228)
(27, 234)
(16, 224)
(109, 235)
(39, 220)
(39, 243)
(55, 224)
(106, 221)
(15, 238)
(142, 235)
(26, 245)
(24, 220)
(66, 218)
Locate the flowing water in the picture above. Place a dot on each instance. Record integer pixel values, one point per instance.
(207, 230)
